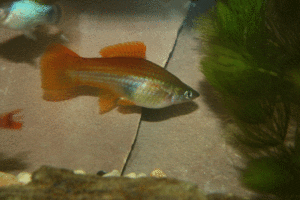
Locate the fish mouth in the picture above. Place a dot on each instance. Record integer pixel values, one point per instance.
(55, 14)
(195, 94)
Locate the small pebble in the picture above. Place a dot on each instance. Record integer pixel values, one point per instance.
(8, 179)
(131, 175)
(158, 173)
(113, 173)
(24, 177)
(79, 171)
(141, 175)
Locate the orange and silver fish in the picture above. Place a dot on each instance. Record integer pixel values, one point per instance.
(123, 74)
(7, 121)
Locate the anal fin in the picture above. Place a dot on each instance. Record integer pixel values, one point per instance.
(107, 101)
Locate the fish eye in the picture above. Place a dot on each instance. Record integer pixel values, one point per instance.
(188, 94)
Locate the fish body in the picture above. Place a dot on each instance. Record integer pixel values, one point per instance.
(123, 74)
(26, 15)
(7, 122)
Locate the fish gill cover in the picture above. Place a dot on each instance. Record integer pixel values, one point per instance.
(251, 57)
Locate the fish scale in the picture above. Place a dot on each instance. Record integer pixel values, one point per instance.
(122, 83)
(132, 87)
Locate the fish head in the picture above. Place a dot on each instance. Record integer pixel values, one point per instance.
(183, 94)
(153, 94)
(5, 9)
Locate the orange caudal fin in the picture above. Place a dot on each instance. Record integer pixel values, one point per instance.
(7, 121)
(128, 49)
(56, 84)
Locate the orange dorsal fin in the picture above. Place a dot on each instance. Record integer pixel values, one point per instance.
(128, 49)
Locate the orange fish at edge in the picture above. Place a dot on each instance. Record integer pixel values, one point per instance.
(7, 121)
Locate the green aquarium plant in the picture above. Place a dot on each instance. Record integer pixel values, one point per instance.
(251, 57)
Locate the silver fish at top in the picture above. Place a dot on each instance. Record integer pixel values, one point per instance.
(26, 15)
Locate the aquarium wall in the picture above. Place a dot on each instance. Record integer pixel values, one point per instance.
(183, 141)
